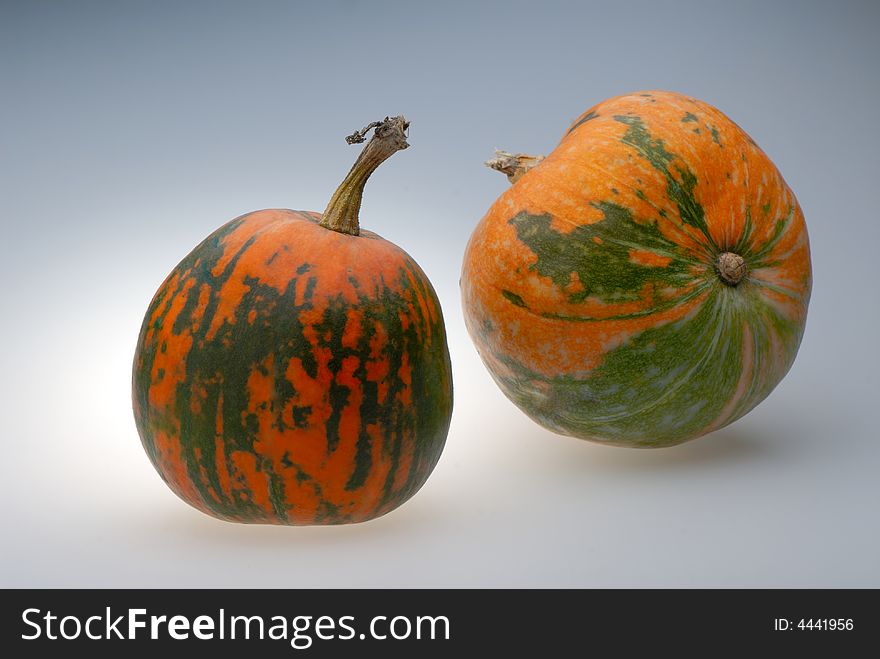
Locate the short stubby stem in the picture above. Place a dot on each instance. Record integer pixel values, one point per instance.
(513, 165)
(731, 268)
(389, 137)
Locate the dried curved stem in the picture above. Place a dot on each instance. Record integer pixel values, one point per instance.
(389, 137)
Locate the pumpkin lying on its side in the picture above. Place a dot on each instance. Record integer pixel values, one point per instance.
(645, 283)
(293, 369)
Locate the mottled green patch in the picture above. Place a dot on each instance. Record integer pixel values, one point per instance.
(715, 136)
(637, 136)
(668, 383)
(486, 327)
(680, 188)
(599, 255)
(688, 117)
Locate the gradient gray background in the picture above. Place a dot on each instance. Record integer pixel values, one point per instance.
(129, 131)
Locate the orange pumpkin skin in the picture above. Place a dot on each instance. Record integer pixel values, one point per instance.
(591, 287)
(290, 374)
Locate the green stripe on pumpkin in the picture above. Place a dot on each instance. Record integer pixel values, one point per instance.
(592, 114)
(679, 189)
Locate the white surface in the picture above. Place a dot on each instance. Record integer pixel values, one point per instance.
(136, 134)
(787, 496)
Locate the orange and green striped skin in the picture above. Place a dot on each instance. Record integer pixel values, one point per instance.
(590, 287)
(286, 373)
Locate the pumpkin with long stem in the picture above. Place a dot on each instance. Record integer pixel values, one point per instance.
(293, 369)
